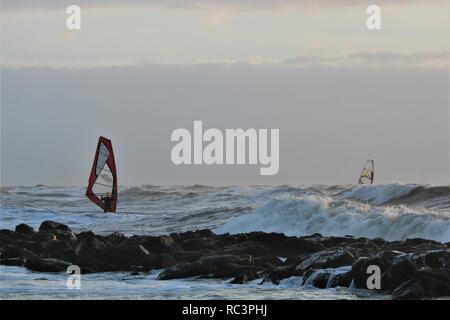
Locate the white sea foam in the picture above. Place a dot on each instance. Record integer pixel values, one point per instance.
(364, 210)
(309, 214)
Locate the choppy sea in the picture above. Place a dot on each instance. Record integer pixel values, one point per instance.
(391, 211)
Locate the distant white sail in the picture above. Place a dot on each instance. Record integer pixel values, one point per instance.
(367, 174)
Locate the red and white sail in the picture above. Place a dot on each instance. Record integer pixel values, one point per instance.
(103, 178)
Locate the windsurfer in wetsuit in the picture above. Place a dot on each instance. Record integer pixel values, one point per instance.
(107, 202)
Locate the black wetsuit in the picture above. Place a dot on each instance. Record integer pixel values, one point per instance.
(107, 203)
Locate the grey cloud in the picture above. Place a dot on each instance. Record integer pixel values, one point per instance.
(194, 4)
(330, 121)
(393, 56)
(380, 58)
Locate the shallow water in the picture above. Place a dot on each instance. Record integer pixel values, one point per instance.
(18, 283)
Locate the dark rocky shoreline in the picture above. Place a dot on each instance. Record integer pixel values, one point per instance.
(411, 269)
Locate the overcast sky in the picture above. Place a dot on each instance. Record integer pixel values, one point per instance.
(137, 70)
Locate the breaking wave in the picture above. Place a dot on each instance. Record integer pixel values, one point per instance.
(342, 215)
(391, 211)
(429, 197)
(378, 194)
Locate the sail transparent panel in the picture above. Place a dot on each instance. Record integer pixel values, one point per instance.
(104, 182)
(105, 179)
(103, 155)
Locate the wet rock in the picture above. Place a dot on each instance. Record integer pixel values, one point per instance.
(161, 244)
(182, 270)
(218, 260)
(266, 239)
(6, 233)
(204, 233)
(24, 229)
(198, 243)
(46, 265)
(425, 284)
(267, 262)
(33, 246)
(166, 241)
(413, 245)
(19, 262)
(379, 241)
(86, 235)
(89, 246)
(137, 257)
(166, 260)
(317, 278)
(383, 260)
(10, 251)
(59, 249)
(115, 239)
(343, 279)
(399, 272)
(296, 246)
(433, 259)
(307, 274)
(245, 277)
(52, 226)
(187, 256)
(326, 259)
(224, 266)
(282, 272)
(250, 248)
(65, 236)
(227, 270)
(409, 269)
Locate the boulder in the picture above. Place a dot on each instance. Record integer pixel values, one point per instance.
(115, 239)
(10, 251)
(383, 260)
(19, 261)
(266, 239)
(343, 279)
(281, 272)
(245, 277)
(136, 257)
(218, 260)
(89, 246)
(296, 246)
(46, 265)
(326, 259)
(166, 260)
(52, 226)
(424, 284)
(399, 272)
(317, 278)
(161, 244)
(182, 270)
(198, 243)
(24, 229)
(433, 259)
(249, 247)
(61, 249)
